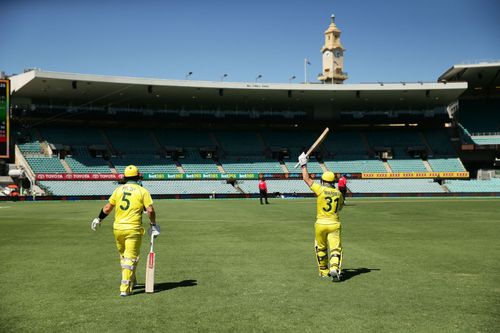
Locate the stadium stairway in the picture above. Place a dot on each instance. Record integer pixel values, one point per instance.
(283, 167)
(65, 165)
(387, 167)
(219, 167)
(179, 167)
(238, 188)
(443, 186)
(461, 163)
(427, 165)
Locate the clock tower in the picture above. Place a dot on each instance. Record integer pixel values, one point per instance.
(333, 56)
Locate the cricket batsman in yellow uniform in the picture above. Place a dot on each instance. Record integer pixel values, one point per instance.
(130, 200)
(327, 228)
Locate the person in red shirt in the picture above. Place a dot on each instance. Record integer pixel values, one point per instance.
(263, 190)
(342, 185)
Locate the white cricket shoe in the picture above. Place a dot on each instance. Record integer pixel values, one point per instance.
(335, 274)
(125, 294)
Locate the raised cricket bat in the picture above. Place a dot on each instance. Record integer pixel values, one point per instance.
(316, 143)
(150, 269)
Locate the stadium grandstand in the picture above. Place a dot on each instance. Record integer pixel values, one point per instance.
(72, 135)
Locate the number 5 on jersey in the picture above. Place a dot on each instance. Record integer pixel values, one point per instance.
(125, 200)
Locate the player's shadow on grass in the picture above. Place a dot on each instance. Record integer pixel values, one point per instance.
(348, 273)
(163, 286)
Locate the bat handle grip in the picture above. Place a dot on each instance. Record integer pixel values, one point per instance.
(298, 163)
(152, 241)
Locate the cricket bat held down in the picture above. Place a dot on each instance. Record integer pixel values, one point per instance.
(150, 269)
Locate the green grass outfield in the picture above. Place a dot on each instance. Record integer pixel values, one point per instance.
(412, 265)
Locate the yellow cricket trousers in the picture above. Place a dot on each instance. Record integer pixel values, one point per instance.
(327, 245)
(128, 243)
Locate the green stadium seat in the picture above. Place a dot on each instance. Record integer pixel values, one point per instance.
(45, 164)
(446, 165)
(415, 165)
(393, 186)
(474, 186)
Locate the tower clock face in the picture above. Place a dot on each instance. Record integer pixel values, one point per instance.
(338, 53)
(327, 53)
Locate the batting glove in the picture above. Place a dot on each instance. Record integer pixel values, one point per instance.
(155, 230)
(95, 223)
(303, 159)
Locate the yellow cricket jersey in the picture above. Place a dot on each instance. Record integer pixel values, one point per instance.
(129, 200)
(329, 203)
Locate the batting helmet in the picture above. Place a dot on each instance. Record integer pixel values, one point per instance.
(131, 171)
(328, 177)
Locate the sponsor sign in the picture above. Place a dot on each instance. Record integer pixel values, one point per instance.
(382, 175)
(78, 176)
(243, 176)
(4, 117)
(195, 176)
(165, 176)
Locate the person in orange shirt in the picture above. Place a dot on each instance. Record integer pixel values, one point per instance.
(263, 190)
(342, 186)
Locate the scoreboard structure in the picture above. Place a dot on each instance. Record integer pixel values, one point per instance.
(4, 118)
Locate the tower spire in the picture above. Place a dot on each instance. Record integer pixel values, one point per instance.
(333, 55)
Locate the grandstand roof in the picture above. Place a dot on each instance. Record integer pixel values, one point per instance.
(483, 78)
(83, 89)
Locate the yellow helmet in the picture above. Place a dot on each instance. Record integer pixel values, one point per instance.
(131, 171)
(328, 177)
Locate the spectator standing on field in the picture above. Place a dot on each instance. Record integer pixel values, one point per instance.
(263, 190)
(342, 185)
(130, 200)
(327, 228)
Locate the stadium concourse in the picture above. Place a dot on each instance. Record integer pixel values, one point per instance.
(72, 135)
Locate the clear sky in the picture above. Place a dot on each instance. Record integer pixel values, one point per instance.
(385, 40)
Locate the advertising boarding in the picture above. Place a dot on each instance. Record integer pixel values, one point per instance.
(4, 118)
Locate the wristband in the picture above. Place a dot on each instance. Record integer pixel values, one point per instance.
(102, 215)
